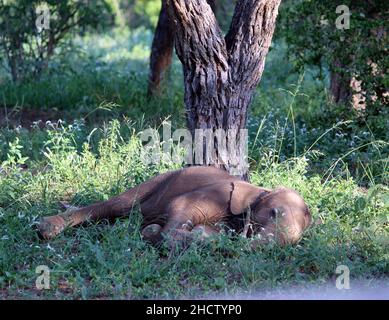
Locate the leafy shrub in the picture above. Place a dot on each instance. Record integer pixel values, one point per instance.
(360, 52)
(30, 31)
(138, 13)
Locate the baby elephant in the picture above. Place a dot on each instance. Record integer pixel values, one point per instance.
(197, 202)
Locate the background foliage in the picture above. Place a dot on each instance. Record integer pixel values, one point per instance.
(360, 51)
(24, 49)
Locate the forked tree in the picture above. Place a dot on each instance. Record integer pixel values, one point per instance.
(221, 73)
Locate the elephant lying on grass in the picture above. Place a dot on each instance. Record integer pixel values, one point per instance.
(197, 201)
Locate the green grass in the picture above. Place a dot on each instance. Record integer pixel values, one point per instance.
(338, 162)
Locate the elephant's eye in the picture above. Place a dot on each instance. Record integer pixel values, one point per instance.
(277, 213)
(274, 213)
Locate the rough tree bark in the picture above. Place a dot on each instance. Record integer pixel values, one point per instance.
(339, 86)
(162, 49)
(220, 73)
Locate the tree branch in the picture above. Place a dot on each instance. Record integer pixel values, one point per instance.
(202, 50)
(249, 39)
(161, 51)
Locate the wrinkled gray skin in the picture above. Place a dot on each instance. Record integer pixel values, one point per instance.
(197, 202)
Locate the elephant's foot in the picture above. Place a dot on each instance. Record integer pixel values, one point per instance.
(178, 239)
(152, 233)
(204, 232)
(49, 227)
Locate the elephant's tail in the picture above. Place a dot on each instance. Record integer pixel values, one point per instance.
(111, 209)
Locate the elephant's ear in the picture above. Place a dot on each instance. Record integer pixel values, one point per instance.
(243, 195)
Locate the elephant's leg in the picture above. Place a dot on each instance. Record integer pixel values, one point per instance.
(178, 237)
(204, 232)
(154, 233)
(191, 216)
(111, 209)
(199, 207)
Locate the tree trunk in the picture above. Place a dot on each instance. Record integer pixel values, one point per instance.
(347, 89)
(162, 49)
(339, 86)
(221, 74)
